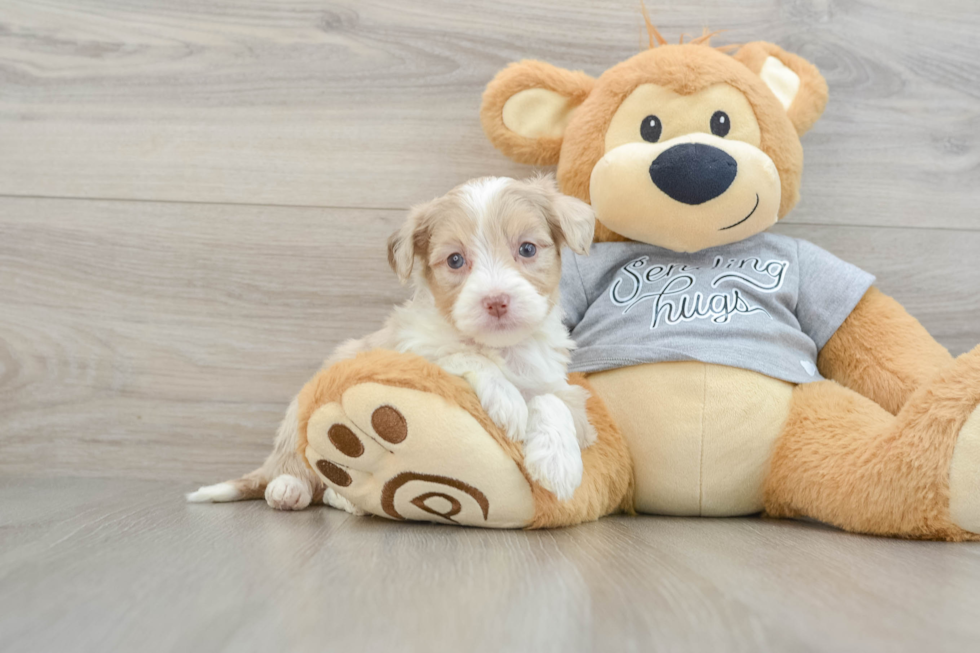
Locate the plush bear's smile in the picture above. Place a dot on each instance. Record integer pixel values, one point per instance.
(732, 226)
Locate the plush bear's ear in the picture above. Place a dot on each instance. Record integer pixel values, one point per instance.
(527, 107)
(795, 82)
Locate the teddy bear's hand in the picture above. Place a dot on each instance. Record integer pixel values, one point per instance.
(499, 397)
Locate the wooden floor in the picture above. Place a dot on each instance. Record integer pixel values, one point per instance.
(123, 565)
(194, 199)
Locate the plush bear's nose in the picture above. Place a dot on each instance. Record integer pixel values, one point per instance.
(693, 173)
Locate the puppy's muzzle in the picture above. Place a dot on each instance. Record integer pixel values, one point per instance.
(693, 173)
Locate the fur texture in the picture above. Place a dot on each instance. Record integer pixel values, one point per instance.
(882, 352)
(847, 461)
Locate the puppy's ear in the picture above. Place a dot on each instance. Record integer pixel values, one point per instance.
(527, 107)
(795, 82)
(410, 241)
(572, 220)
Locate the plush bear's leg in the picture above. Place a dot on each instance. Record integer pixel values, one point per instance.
(846, 461)
(400, 438)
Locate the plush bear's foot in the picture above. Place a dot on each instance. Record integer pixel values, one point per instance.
(402, 454)
(964, 476)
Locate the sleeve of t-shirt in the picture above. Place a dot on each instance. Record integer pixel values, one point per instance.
(829, 291)
(574, 301)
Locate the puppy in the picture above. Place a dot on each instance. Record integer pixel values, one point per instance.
(485, 264)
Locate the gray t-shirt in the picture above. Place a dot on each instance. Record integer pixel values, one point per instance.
(768, 303)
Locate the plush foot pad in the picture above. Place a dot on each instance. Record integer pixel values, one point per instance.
(964, 476)
(409, 455)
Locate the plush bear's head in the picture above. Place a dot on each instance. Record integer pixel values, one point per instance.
(681, 146)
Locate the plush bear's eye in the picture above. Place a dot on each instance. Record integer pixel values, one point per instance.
(455, 261)
(651, 128)
(721, 124)
(527, 250)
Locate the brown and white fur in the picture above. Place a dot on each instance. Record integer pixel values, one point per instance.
(485, 264)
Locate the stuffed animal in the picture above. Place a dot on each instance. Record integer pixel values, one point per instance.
(732, 371)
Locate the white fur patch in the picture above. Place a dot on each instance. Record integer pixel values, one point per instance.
(217, 493)
(489, 278)
(286, 492)
(499, 397)
(551, 451)
(478, 194)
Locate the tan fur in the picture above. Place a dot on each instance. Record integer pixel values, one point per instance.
(607, 482)
(882, 352)
(846, 461)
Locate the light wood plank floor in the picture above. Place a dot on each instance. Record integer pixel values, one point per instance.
(194, 199)
(123, 565)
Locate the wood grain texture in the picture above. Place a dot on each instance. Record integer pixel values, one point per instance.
(98, 565)
(374, 104)
(162, 340)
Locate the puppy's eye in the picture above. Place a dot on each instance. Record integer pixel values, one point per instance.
(527, 250)
(455, 261)
(721, 124)
(651, 128)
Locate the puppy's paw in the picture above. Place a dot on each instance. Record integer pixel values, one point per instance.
(552, 455)
(286, 492)
(505, 406)
(575, 397)
(554, 462)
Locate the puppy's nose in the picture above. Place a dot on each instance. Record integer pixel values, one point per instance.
(496, 305)
(693, 173)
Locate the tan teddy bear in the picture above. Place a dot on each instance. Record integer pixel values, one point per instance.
(733, 371)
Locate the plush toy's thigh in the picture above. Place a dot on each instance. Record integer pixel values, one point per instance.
(700, 435)
(402, 439)
(846, 461)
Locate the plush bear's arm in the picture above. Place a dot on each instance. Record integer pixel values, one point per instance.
(882, 352)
